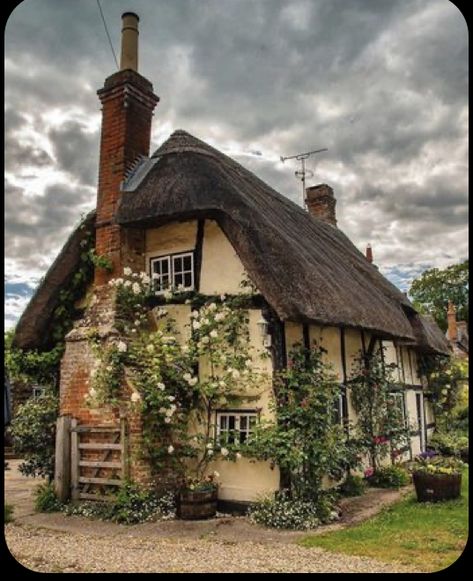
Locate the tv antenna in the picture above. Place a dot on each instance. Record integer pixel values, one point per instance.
(303, 172)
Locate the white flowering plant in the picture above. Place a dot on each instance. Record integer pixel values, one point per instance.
(176, 386)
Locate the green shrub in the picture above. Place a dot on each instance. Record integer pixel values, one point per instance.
(133, 504)
(448, 443)
(282, 512)
(8, 513)
(389, 477)
(46, 499)
(33, 431)
(353, 486)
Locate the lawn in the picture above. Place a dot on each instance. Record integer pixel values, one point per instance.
(427, 536)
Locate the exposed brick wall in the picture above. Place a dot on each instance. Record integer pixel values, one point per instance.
(127, 108)
(321, 203)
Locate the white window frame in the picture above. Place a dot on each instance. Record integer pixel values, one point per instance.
(237, 414)
(171, 259)
(37, 391)
(340, 408)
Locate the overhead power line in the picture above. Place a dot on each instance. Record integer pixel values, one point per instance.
(108, 35)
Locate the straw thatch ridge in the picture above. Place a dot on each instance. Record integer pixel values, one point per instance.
(428, 335)
(307, 269)
(31, 330)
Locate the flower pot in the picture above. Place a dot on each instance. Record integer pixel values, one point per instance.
(436, 487)
(197, 504)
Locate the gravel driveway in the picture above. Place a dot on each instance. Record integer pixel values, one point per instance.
(52, 551)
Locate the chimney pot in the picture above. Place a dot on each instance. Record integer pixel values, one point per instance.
(369, 253)
(321, 203)
(129, 54)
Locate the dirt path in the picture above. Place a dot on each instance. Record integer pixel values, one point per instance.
(224, 544)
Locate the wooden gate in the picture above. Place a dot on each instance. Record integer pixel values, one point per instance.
(99, 460)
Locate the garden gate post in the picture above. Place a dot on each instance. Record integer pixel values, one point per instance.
(75, 457)
(62, 468)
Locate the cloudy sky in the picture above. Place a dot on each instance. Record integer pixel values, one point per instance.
(381, 83)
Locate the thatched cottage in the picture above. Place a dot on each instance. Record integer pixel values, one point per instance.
(202, 220)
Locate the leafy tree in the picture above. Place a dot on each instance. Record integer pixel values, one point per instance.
(33, 430)
(432, 290)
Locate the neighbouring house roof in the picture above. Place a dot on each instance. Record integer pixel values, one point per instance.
(32, 328)
(307, 269)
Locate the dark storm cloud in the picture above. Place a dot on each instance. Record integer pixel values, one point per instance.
(67, 141)
(381, 83)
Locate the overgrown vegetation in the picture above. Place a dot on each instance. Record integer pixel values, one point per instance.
(46, 499)
(8, 513)
(380, 421)
(425, 536)
(389, 477)
(353, 485)
(133, 504)
(33, 430)
(284, 512)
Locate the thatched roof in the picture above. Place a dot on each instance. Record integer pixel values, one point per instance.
(307, 270)
(31, 330)
(428, 335)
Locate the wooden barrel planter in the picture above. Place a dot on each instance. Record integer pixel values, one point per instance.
(437, 487)
(197, 504)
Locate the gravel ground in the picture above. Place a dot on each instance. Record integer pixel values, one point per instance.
(52, 551)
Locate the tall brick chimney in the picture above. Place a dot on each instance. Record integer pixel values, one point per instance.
(128, 102)
(321, 203)
(369, 253)
(452, 331)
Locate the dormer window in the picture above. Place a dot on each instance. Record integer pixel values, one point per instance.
(174, 271)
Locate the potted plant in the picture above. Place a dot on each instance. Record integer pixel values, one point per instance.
(437, 478)
(197, 498)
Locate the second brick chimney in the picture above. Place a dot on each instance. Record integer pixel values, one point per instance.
(321, 203)
(128, 102)
(452, 331)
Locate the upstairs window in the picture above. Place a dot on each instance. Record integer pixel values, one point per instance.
(235, 427)
(175, 271)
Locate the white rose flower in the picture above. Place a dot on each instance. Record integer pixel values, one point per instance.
(195, 314)
(150, 348)
(221, 383)
(169, 413)
(248, 363)
(205, 340)
(224, 452)
(127, 283)
(238, 455)
(235, 374)
(170, 449)
(122, 347)
(92, 392)
(219, 316)
(187, 377)
(213, 334)
(167, 420)
(136, 288)
(145, 278)
(205, 321)
(210, 452)
(216, 474)
(162, 410)
(171, 398)
(168, 294)
(118, 281)
(223, 297)
(196, 325)
(209, 446)
(135, 396)
(127, 271)
(212, 307)
(193, 381)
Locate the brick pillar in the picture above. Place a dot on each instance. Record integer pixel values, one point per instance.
(321, 203)
(128, 102)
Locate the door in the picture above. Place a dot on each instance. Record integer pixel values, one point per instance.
(421, 420)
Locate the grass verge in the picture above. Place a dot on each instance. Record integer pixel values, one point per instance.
(426, 536)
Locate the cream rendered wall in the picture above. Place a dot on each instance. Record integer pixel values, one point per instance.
(222, 270)
(243, 480)
(329, 339)
(170, 238)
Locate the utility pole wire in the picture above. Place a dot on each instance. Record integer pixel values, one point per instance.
(108, 35)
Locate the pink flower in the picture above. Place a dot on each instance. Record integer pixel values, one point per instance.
(369, 472)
